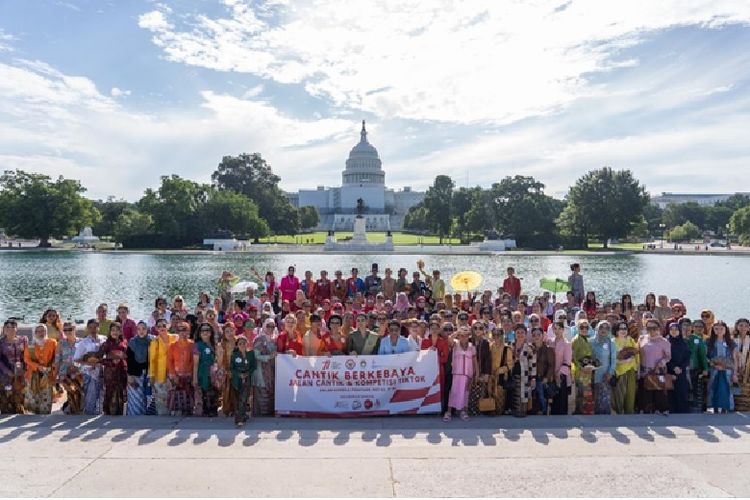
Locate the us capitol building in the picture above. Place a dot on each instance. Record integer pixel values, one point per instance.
(363, 178)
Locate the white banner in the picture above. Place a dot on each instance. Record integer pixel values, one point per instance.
(354, 386)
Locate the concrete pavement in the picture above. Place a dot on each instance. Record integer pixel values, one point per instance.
(639, 455)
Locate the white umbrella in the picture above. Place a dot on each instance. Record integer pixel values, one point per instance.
(244, 285)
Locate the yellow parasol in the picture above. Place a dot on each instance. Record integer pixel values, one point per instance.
(465, 281)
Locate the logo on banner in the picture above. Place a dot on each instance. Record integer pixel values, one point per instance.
(350, 364)
(363, 364)
(368, 404)
(356, 405)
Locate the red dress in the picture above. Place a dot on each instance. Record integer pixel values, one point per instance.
(443, 354)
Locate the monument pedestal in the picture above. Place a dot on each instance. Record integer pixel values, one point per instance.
(359, 242)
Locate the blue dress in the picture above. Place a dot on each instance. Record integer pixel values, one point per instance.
(720, 381)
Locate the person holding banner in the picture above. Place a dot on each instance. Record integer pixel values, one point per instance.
(464, 367)
(395, 343)
(242, 367)
(435, 341)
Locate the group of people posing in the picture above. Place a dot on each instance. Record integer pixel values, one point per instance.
(498, 353)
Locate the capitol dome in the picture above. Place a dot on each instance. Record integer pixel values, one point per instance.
(363, 165)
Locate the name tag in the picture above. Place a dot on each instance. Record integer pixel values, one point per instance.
(696, 341)
(606, 347)
(238, 360)
(208, 350)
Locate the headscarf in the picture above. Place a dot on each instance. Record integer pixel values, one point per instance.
(270, 312)
(36, 341)
(402, 302)
(139, 346)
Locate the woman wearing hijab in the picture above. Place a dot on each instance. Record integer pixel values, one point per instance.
(39, 358)
(242, 366)
(626, 371)
(204, 365)
(12, 370)
(678, 367)
(582, 370)
(67, 374)
(402, 303)
(114, 363)
(523, 372)
(605, 354)
(742, 366)
(698, 368)
(138, 370)
(264, 348)
(655, 353)
(721, 369)
(464, 369)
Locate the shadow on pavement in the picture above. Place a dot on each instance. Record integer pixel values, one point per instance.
(431, 430)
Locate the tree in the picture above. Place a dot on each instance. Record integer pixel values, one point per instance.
(739, 225)
(131, 222)
(416, 218)
(234, 212)
(604, 203)
(677, 214)
(684, 232)
(308, 217)
(35, 206)
(437, 202)
(176, 209)
(521, 208)
(463, 198)
(735, 202)
(717, 218)
(110, 210)
(252, 176)
(654, 217)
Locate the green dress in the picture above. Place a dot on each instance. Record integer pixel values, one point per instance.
(206, 359)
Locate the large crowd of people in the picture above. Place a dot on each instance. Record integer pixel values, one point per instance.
(503, 352)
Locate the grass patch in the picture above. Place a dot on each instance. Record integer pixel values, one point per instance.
(319, 237)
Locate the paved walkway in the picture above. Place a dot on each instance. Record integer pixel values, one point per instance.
(690, 455)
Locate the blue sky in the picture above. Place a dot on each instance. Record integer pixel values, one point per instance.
(117, 93)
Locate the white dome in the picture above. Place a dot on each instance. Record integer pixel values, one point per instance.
(363, 165)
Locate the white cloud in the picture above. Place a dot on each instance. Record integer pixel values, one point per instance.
(5, 41)
(154, 21)
(59, 124)
(118, 92)
(465, 61)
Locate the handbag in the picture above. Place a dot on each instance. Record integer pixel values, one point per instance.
(551, 390)
(658, 382)
(486, 403)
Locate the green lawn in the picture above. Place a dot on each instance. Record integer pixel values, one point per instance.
(319, 237)
(597, 245)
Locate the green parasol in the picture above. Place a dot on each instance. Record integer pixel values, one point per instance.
(554, 285)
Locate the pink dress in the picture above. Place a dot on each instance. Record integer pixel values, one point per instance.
(462, 366)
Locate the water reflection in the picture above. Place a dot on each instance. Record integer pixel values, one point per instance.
(76, 282)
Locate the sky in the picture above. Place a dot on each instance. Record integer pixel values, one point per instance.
(119, 93)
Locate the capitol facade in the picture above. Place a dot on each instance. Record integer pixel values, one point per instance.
(363, 178)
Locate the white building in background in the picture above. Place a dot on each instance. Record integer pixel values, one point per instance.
(363, 178)
(706, 200)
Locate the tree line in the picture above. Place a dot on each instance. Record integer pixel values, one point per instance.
(244, 200)
(603, 204)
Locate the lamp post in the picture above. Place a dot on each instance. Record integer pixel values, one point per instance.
(729, 243)
(662, 226)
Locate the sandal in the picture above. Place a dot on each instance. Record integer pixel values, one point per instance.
(447, 417)
(464, 416)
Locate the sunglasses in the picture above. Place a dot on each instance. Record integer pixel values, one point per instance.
(205, 330)
(447, 329)
(68, 329)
